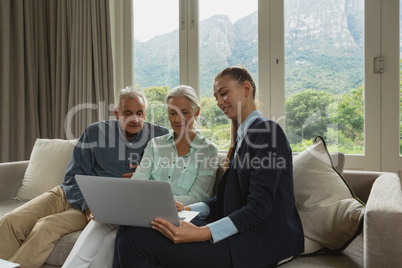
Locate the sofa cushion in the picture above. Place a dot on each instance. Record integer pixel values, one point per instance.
(8, 205)
(338, 161)
(62, 248)
(330, 213)
(11, 177)
(352, 256)
(46, 168)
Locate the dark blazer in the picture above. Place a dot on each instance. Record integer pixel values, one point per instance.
(256, 193)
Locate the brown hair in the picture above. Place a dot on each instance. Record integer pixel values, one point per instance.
(240, 74)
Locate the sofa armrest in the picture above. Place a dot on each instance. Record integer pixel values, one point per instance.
(361, 182)
(11, 175)
(382, 223)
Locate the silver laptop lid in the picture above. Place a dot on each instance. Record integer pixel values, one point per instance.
(128, 202)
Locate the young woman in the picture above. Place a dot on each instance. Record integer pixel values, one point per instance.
(184, 158)
(254, 219)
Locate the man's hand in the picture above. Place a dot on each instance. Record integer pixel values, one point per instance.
(186, 232)
(130, 174)
(88, 215)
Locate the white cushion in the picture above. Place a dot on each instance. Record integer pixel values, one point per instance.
(47, 167)
(330, 213)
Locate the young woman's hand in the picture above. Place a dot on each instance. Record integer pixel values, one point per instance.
(186, 232)
(181, 207)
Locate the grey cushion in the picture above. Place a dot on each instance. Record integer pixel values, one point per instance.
(11, 175)
(62, 249)
(352, 256)
(8, 205)
(338, 161)
(330, 214)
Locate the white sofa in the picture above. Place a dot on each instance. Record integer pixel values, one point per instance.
(378, 245)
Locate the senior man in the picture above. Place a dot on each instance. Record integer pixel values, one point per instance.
(107, 148)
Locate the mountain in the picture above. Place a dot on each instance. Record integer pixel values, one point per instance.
(223, 44)
(323, 48)
(324, 45)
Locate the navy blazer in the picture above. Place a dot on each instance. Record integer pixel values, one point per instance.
(256, 193)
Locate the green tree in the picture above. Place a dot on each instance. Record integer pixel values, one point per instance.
(156, 93)
(211, 114)
(350, 115)
(339, 119)
(214, 124)
(157, 114)
(307, 115)
(156, 111)
(220, 135)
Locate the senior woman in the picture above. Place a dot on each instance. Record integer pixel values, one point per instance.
(184, 158)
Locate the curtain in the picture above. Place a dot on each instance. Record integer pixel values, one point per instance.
(56, 71)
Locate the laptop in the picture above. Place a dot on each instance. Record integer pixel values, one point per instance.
(130, 202)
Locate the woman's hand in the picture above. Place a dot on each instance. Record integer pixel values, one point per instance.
(180, 206)
(186, 232)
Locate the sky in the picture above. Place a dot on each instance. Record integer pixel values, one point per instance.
(146, 26)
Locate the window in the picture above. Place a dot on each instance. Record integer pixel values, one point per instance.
(226, 36)
(390, 98)
(156, 53)
(325, 86)
(324, 74)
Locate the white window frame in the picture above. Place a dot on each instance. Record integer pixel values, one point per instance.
(381, 90)
(391, 159)
(371, 158)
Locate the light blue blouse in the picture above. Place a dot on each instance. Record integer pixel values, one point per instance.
(191, 176)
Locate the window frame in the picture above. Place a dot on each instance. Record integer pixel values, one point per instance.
(371, 158)
(381, 39)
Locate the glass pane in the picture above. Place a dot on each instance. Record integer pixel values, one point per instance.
(228, 35)
(324, 74)
(156, 53)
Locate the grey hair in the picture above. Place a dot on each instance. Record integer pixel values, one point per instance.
(185, 91)
(129, 93)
